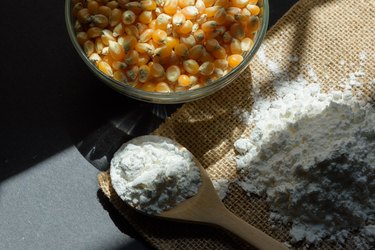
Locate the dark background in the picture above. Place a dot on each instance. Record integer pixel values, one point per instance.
(59, 125)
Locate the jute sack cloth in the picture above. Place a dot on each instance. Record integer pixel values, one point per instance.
(334, 38)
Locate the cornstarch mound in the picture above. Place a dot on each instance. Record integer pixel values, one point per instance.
(155, 175)
(313, 155)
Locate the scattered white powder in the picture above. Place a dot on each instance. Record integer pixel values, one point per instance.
(312, 154)
(154, 175)
(221, 187)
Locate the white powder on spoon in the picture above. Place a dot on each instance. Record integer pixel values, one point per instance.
(154, 175)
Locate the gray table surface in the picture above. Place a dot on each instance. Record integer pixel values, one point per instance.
(53, 115)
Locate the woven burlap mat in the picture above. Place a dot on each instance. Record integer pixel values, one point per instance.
(335, 38)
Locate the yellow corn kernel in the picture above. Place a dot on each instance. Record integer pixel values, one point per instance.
(157, 70)
(234, 60)
(99, 46)
(116, 51)
(191, 66)
(209, 26)
(100, 21)
(170, 7)
(149, 87)
(193, 80)
(144, 48)
(94, 32)
(239, 3)
(120, 76)
(115, 17)
(222, 3)
(253, 24)
(211, 11)
(141, 27)
(186, 27)
(190, 12)
(207, 68)
(82, 37)
(162, 87)
(233, 11)
(159, 36)
(181, 50)
(78, 26)
(105, 68)
(235, 46)
(95, 58)
(144, 73)
(219, 53)
(220, 16)
(128, 42)
(245, 15)
(254, 9)
(227, 37)
(146, 35)
(201, 19)
(158, 11)
(105, 10)
(218, 73)
(188, 40)
(128, 17)
(83, 16)
(246, 44)
(253, 1)
(107, 36)
(145, 17)
(230, 20)
(93, 7)
(135, 7)
(105, 51)
(88, 47)
(196, 52)
(237, 31)
(112, 4)
(117, 65)
(172, 73)
(199, 35)
(118, 30)
(132, 73)
(148, 4)
(132, 30)
(131, 57)
(221, 64)
(184, 80)
(143, 59)
(185, 3)
(171, 42)
(162, 21)
(208, 3)
(163, 51)
(212, 44)
(200, 6)
(220, 30)
(178, 19)
(152, 25)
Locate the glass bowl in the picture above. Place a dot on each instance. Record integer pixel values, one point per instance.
(173, 97)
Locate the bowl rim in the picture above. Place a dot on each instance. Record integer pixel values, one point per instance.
(173, 97)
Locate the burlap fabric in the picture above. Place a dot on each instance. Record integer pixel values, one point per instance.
(335, 38)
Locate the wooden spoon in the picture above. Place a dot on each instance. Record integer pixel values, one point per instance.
(206, 208)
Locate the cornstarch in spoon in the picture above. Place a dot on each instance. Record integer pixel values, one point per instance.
(154, 176)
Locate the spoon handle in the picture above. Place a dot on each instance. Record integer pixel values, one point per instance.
(247, 232)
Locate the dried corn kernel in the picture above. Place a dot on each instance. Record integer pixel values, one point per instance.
(146, 36)
(128, 17)
(83, 16)
(235, 46)
(145, 17)
(156, 70)
(82, 37)
(159, 36)
(185, 3)
(144, 48)
(148, 4)
(234, 60)
(105, 68)
(189, 41)
(162, 87)
(149, 87)
(107, 36)
(184, 80)
(253, 23)
(120, 76)
(199, 35)
(112, 4)
(144, 73)
(221, 64)
(239, 3)
(105, 10)
(117, 65)
(131, 57)
(208, 3)
(115, 17)
(116, 51)
(182, 50)
(254, 9)
(170, 6)
(219, 53)
(246, 44)
(162, 21)
(163, 51)
(196, 52)
(128, 42)
(212, 44)
(209, 26)
(172, 73)
(132, 73)
(94, 32)
(88, 47)
(191, 66)
(93, 7)
(190, 12)
(118, 30)
(186, 27)
(207, 68)
(178, 19)
(95, 58)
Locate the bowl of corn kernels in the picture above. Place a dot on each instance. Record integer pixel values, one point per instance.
(166, 51)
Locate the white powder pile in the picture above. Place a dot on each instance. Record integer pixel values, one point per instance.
(313, 156)
(154, 175)
(221, 186)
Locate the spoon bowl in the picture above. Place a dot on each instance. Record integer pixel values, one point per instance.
(207, 208)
